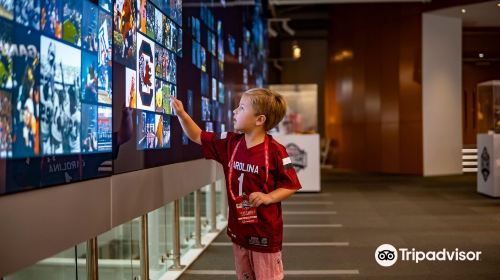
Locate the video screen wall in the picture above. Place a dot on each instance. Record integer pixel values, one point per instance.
(55, 91)
(85, 85)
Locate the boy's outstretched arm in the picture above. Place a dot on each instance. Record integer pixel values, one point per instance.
(192, 130)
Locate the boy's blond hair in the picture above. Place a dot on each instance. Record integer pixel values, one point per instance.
(268, 103)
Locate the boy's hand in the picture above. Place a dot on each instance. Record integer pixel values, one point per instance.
(258, 198)
(178, 107)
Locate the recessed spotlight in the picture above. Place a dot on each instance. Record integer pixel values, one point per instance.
(464, 11)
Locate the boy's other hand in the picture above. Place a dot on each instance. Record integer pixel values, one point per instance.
(178, 107)
(258, 198)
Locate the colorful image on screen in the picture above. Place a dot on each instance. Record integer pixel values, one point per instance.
(104, 125)
(104, 70)
(124, 35)
(27, 13)
(145, 73)
(89, 128)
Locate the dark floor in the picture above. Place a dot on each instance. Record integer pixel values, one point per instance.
(410, 212)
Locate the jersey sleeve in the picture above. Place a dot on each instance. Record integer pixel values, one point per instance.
(286, 177)
(215, 146)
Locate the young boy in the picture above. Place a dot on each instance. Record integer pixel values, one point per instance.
(259, 175)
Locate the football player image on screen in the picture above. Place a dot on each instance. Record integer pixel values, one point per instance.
(161, 61)
(221, 93)
(51, 17)
(159, 96)
(179, 43)
(125, 13)
(89, 76)
(171, 71)
(6, 61)
(211, 43)
(231, 42)
(104, 71)
(203, 58)
(205, 109)
(150, 20)
(209, 127)
(28, 13)
(145, 74)
(220, 43)
(130, 88)
(26, 94)
(158, 129)
(165, 92)
(173, 92)
(89, 128)
(159, 25)
(174, 37)
(146, 130)
(72, 22)
(89, 26)
(141, 23)
(166, 132)
(175, 7)
(104, 132)
(7, 9)
(60, 87)
(214, 89)
(167, 33)
(5, 124)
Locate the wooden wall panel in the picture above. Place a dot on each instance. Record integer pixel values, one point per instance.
(373, 94)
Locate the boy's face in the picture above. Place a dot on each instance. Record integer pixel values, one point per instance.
(245, 118)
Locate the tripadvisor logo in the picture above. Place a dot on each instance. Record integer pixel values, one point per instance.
(387, 255)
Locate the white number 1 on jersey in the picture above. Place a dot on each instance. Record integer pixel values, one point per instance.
(240, 187)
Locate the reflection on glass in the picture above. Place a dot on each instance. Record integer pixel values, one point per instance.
(218, 198)
(187, 222)
(205, 210)
(119, 252)
(160, 230)
(64, 265)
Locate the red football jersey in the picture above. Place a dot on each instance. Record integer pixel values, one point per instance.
(249, 167)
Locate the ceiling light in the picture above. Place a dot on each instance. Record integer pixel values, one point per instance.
(464, 11)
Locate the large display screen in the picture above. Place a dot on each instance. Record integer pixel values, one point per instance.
(199, 54)
(85, 85)
(55, 92)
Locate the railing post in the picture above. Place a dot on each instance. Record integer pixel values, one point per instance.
(92, 257)
(177, 238)
(145, 247)
(197, 219)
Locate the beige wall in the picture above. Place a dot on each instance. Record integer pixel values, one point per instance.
(38, 224)
(442, 94)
